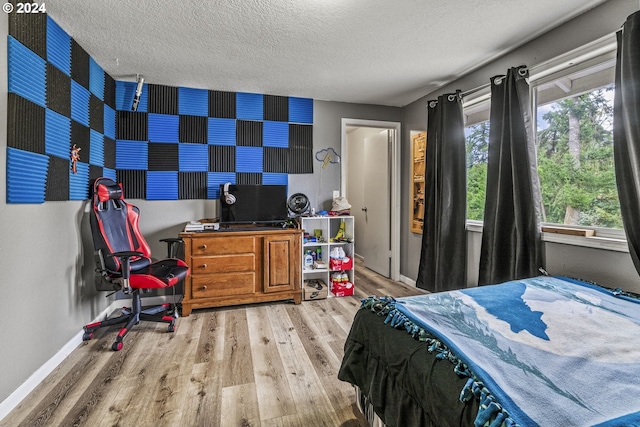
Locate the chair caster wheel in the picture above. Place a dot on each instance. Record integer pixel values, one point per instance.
(87, 336)
(172, 327)
(117, 346)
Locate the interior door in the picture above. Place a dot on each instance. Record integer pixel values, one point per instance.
(377, 204)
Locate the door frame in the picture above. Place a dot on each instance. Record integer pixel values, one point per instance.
(394, 189)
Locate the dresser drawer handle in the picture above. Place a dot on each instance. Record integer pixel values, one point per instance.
(203, 266)
(203, 247)
(204, 287)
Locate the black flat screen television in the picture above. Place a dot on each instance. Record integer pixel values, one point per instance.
(253, 203)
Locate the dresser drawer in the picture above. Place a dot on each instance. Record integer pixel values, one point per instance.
(224, 284)
(223, 263)
(223, 245)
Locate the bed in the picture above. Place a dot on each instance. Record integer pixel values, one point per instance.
(546, 351)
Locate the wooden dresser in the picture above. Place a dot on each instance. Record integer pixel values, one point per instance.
(241, 267)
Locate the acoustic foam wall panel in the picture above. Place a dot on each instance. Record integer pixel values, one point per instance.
(193, 129)
(192, 185)
(222, 104)
(25, 124)
(58, 95)
(58, 47)
(27, 73)
(134, 183)
(193, 102)
(276, 108)
(215, 180)
(178, 143)
(26, 184)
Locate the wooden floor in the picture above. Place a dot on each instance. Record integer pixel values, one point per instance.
(272, 364)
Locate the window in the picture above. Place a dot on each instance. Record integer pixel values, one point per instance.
(476, 132)
(574, 120)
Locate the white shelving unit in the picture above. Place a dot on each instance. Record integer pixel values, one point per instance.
(327, 227)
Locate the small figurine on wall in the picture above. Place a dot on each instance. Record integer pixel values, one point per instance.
(75, 156)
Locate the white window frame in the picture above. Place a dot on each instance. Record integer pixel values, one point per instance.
(593, 54)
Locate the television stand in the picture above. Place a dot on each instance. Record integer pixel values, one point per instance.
(242, 266)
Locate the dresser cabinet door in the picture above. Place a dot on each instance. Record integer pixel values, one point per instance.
(281, 256)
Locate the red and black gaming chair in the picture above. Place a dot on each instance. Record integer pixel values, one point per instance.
(123, 261)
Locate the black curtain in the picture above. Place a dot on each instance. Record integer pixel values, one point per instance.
(511, 238)
(626, 131)
(443, 256)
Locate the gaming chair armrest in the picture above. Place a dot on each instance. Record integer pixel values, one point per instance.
(172, 242)
(125, 258)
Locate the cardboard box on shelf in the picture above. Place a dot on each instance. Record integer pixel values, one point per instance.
(314, 289)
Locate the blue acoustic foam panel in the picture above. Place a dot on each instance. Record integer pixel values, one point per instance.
(125, 93)
(109, 122)
(27, 73)
(249, 159)
(249, 106)
(301, 110)
(58, 47)
(78, 182)
(26, 176)
(215, 180)
(79, 103)
(96, 79)
(193, 102)
(57, 134)
(96, 150)
(132, 155)
(221, 131)
(275, 179)
(162, 185)
(193, 158)
(164, 128)
(275, 134)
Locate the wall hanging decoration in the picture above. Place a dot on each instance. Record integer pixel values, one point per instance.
(327, 156)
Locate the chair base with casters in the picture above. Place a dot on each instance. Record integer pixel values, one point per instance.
(132, 316)
(123, 262)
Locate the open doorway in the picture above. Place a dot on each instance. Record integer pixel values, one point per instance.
(370, 180)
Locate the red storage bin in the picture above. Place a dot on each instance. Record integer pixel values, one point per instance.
(340, 264)
(342, 289)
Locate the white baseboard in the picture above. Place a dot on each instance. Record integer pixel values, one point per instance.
(407, 281)
(14, 399)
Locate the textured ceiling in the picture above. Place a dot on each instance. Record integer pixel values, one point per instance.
(387, 52)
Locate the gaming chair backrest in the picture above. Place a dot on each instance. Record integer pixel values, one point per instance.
(114, 225)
